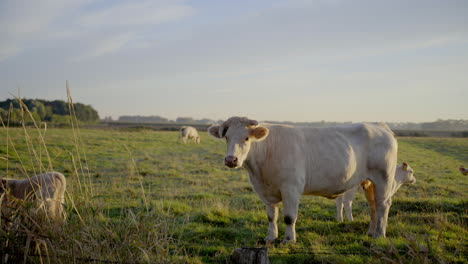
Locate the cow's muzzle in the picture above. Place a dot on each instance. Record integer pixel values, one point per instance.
(231, 161)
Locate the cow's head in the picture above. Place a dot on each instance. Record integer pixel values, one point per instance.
(404, 174)
(239, 133)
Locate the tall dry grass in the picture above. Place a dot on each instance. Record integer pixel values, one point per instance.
(90, 234)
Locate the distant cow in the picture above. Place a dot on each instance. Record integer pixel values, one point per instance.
(48, 189)
(463, 171)
(284, 162)
(403, 175)
(189, 133)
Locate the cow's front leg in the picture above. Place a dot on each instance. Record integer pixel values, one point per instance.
(291, 205)
(339, 208)
(272, 212)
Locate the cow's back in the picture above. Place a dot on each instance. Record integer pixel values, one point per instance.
(49, 185)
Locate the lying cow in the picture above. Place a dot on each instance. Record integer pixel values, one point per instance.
(284, 162)
(48, 189)
(463, 170)
(189, 133)
(403, 175)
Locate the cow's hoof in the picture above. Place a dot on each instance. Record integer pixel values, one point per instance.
(371, 232)
(375, 236)
(269, 240)
(288, 242)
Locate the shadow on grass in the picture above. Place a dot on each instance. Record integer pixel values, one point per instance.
(428, 206)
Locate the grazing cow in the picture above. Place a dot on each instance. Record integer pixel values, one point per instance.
(463, 170)
(189, 133)
(47, 188)
(403, 175)
(284, 162)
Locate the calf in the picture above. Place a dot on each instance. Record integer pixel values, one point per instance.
(48, 189)
(403, 175)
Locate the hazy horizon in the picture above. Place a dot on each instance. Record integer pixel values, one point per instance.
(299, 61)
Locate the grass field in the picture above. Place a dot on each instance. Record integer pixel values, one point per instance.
(143, 196)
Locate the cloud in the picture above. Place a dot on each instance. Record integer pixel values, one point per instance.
(28, 24)
(103, 45)
(23, 22)
(137, 13)
(281, 51)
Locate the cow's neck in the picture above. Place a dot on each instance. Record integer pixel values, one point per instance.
(252, 163)
(396, 185)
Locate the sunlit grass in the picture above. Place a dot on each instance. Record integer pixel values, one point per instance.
(156, 199)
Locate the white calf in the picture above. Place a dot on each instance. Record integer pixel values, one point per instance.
(403, 175)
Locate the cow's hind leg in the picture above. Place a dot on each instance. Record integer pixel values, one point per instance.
(383, 201)
(348, 198)
(382, 204)
(368, 188)
(272, 212)
(291, 206)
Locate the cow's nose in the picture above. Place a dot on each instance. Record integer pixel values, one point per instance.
(230, 161)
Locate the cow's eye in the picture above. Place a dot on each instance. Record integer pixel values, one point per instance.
(247, 139)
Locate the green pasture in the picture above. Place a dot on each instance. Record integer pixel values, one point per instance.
(136, 196)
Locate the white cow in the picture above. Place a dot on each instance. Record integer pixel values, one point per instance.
(284, 162)
(403, 175)
(189, 133)
(48, 189)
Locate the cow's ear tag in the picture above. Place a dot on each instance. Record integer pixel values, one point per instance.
(405, 166)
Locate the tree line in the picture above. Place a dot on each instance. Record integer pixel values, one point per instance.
(56, 111)
(438, 125)
(160, 119)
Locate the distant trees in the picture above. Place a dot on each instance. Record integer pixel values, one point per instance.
(440, 124)
(449, 124)
(159, 119)
(56, 111)
(185, 120)
(143, 119)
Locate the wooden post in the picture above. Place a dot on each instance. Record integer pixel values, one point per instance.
(250, 256)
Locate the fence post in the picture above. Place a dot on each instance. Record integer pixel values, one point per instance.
(250, 256)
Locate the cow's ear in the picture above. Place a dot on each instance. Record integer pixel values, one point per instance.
(404, 166)
(259, 133)
(214, 132)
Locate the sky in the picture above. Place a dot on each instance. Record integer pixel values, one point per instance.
(333, 60)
